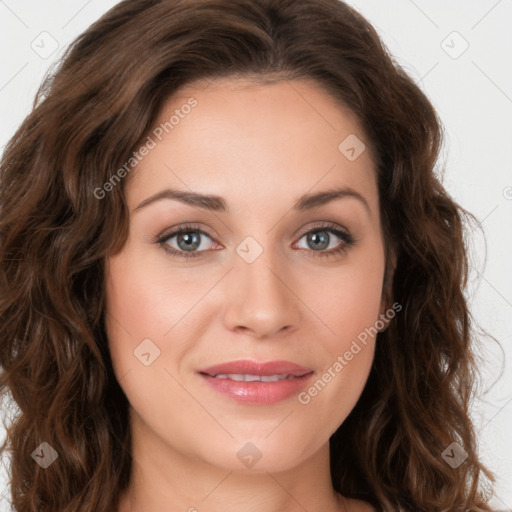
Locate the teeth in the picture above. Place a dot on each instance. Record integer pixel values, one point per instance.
(252, 378)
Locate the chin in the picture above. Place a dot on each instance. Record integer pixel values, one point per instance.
(258, 455)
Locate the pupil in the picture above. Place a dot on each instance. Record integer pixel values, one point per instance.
(314, 237)
(189, 240)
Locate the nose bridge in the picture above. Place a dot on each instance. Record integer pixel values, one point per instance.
(258, 267)
(260, 298)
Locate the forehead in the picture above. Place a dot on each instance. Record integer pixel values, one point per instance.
(286, 138)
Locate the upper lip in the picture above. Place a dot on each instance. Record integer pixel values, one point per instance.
(247, 367)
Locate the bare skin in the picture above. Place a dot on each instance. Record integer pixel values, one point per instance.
(260, 148)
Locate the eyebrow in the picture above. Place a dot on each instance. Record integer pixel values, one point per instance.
(218, 204)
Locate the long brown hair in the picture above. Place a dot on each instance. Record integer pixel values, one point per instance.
(89, 117)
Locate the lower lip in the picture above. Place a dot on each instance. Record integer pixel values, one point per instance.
(258, 392)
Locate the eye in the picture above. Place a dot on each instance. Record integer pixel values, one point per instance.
(319, 239)
(188, 239)
(189, 243)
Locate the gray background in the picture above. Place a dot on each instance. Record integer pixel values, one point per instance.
(460, 54)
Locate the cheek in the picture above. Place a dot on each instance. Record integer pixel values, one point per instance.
(349, 313)
(146, 299)
(347, 357)
(348, 298)
(135, 310)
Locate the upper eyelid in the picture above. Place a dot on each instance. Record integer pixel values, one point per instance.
(327, 225)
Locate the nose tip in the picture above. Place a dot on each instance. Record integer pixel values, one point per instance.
(260, 301)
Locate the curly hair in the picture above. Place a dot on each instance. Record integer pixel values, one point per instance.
(88, 117)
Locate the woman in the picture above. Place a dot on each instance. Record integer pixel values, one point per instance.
(171, 333)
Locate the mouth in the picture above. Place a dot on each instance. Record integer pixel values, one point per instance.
(257, 383)
(251, 378)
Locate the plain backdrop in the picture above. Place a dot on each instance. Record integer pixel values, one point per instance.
(460, 53)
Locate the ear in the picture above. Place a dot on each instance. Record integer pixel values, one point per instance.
(387, 289)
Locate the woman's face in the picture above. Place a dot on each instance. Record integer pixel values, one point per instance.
(263, 281)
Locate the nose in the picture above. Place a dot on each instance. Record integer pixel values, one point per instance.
(260, 297)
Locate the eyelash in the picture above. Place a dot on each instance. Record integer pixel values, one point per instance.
(347, 238)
